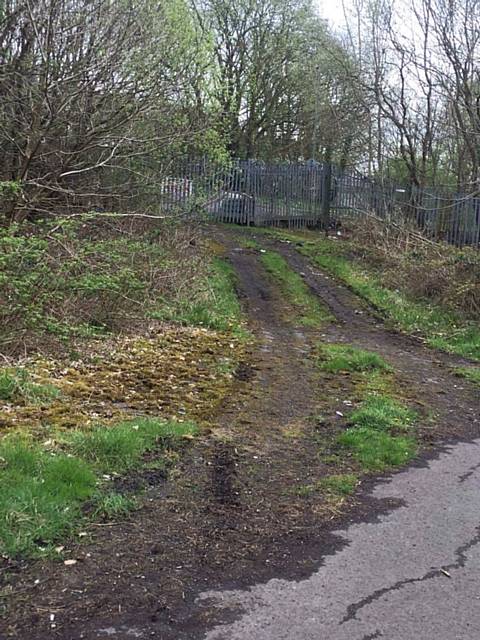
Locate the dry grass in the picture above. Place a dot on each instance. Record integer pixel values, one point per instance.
(437, 272)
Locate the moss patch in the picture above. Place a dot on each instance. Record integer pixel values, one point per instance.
(173, 374)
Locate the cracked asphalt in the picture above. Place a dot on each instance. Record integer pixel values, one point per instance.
(414, 574)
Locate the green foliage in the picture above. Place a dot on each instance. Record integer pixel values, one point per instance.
(311, 312)
(10, 188)
(16, 385)
(84, 277)
(41, 496)
(215, 305)
(121, 447)
(112, 505)
(377, 450)
(382, 413)
(342, 357)
(442, 328)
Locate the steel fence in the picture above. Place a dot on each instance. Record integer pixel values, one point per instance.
(311, 194)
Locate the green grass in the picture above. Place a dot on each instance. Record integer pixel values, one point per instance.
(112, 505)
(441, 328)
(311, 313)
(471, 373)
(377, 450)
(17, 386)
(337, 358)
(376, 437)
(216, 306)
(342, 484)
(249, 243)
(382, 413)
(44, 492)
(41, 497)
(119, 448)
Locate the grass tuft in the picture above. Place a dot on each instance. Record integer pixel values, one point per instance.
(113, 505)
(119, 448)
(470, 373)
(382, 413)
(377, 450)
(336, 486)
(16, 385)
(342, 484)
(339, 357)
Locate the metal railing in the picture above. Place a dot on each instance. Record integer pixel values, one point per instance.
(311, 194)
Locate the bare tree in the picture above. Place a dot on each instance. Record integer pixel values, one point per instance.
(76, 78)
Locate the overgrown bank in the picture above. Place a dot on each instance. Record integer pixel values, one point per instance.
(119, 338)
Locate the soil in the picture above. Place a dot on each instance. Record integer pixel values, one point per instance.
(231, 514)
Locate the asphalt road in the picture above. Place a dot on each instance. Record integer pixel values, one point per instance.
(414, 574)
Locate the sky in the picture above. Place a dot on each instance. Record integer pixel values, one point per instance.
(332, 10)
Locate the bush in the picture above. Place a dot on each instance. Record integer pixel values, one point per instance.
(83, 277)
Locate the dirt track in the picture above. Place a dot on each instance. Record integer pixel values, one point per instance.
(231, 517)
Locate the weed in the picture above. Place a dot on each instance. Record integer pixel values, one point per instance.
(382, 413)
(16, 385)
(377, 450)
(339, 357)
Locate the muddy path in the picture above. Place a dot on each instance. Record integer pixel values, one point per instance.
(229, 513)
(426, 372)
(231, 516)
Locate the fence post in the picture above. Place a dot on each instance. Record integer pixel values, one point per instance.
(326, 196)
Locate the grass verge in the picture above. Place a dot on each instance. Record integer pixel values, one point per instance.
(44, 490)
(311, 312)
(439, 326)
(380, 431)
